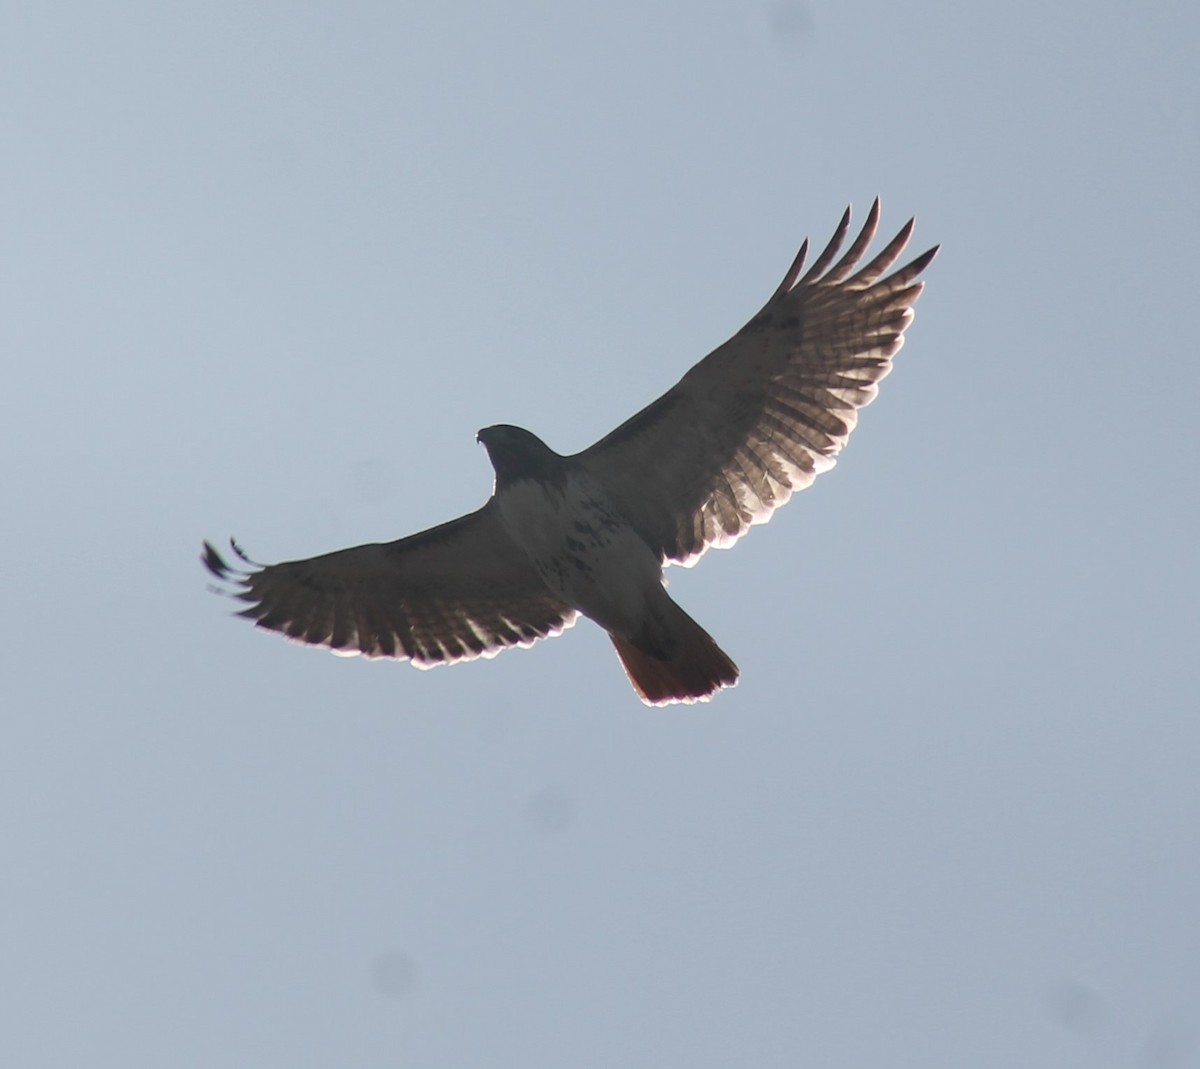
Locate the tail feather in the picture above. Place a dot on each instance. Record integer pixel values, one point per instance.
(696, 668)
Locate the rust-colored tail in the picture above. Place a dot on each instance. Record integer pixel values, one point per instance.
(696, 668)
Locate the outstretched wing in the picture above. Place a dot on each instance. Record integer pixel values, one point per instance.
(767, 412)
(452, 593)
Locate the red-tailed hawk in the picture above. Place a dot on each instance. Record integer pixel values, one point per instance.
(759, 418)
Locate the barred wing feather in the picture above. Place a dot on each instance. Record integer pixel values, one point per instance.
(452, 593)
(769, 410)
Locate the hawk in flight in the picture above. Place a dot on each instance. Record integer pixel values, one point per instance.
(758, 418)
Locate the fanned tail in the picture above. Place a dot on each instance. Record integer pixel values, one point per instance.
(696, 669)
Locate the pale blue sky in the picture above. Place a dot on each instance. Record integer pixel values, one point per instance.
(266, 268)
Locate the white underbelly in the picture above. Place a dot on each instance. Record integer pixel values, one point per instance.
(585, 551)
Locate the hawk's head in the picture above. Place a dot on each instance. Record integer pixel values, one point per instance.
(516, 454)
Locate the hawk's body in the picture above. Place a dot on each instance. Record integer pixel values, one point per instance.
(590, 556)
(759, 418)
(584, 550)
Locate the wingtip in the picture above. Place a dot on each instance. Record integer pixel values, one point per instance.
(241, 554)
(213, 561)
(793, 272)
(220, 567)
(925, 259)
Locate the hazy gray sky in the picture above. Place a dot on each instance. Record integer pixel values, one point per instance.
(266, 268)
